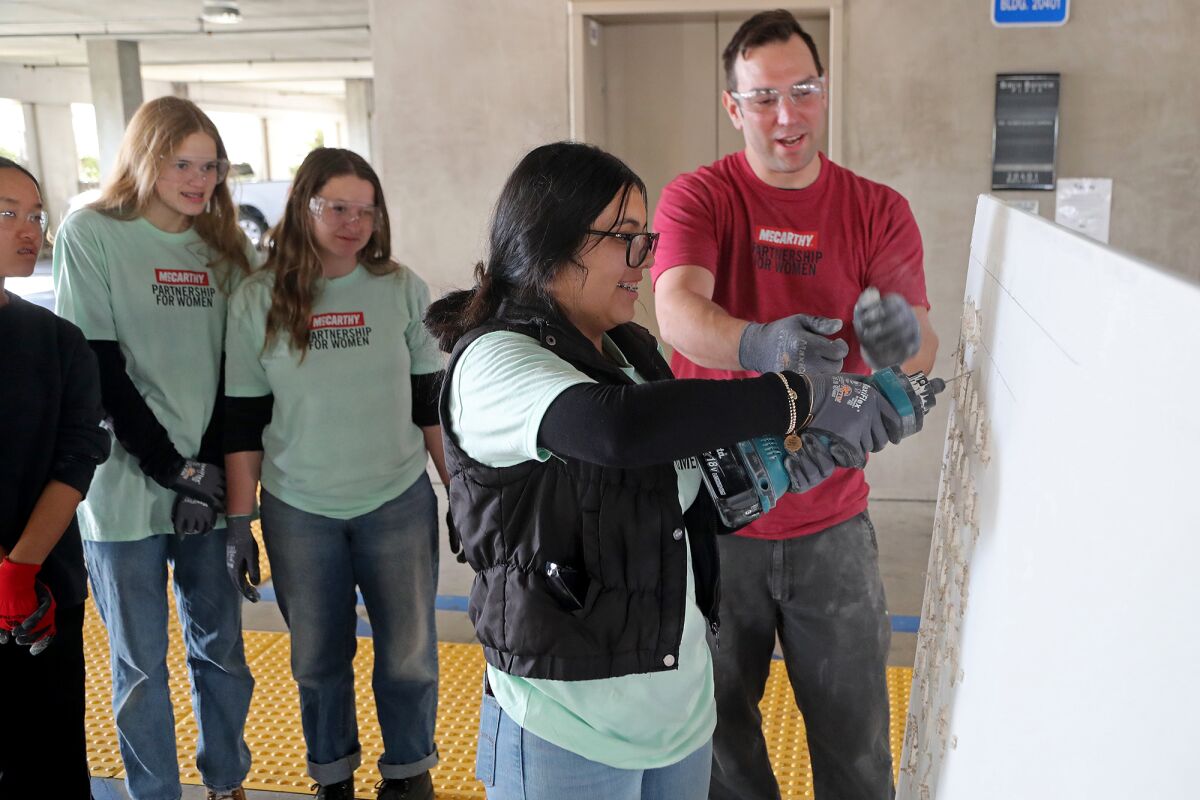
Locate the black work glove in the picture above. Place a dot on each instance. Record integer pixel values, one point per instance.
(201, 481)
(887, 329)
(455, 540)
(241, 556)
(190, 515)
(855, 417)
(809, 465)
(795, 343)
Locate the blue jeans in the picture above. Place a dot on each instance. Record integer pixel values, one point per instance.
(823, 595)
(514, 764)
(391, 554)
(129, 582)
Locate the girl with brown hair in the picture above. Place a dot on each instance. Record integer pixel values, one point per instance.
(331, 401)
(145, 273)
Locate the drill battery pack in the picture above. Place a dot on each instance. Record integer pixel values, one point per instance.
(745, 480)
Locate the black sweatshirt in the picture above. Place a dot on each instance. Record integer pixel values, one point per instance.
(50, 415)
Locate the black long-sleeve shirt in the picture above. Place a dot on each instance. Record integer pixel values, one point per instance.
(50, 413)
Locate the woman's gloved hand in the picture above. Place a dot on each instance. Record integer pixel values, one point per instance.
(191, 516)
(26, 607)
(809, 465)
(241, 556)
(855, 417)
(200, 481)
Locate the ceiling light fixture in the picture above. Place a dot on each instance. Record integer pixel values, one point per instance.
(221, 12)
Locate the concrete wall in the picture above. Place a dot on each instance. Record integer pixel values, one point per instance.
(464, 88)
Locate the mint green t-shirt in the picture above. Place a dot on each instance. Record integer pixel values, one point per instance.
(501, 387)
(341, 441)
(154, 294)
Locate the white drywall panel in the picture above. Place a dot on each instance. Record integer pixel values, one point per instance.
(1058, 651)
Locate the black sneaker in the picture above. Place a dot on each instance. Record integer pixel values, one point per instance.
(418, 787)
(342, 790)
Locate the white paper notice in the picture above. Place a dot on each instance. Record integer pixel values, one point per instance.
(1084, 205)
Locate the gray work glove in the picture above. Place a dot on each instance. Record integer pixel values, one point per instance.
(241, 556)
(201, 481)
(191, 516)
(795, 343)
(809, 465)
(854, 416)
(887, 329)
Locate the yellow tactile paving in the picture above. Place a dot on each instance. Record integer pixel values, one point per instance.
(264, 566)
(274, 735)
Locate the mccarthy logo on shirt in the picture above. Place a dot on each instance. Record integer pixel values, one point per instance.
(335, 330)
(181, 277)
(353, 319)
(782, 237)
(182, 288)
(785, 251)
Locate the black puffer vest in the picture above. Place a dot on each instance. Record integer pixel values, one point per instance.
(616, 534)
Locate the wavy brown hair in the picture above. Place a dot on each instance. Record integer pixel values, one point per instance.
(156, 131)
(293, 258)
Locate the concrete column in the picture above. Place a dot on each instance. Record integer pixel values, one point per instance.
(360, 108)
(115, 72)
(50, 143)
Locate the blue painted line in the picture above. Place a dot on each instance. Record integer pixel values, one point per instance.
(903, 624)
(451, 602)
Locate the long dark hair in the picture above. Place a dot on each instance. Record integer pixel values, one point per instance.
(539, 227)
(293, 250)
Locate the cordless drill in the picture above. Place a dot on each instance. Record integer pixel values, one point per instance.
(747, 479)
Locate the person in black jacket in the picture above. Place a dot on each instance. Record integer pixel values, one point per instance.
(50, 425)
(576, 490)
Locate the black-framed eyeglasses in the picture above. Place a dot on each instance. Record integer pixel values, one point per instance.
(638, 246)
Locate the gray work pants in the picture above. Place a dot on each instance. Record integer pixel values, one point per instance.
(823, 596)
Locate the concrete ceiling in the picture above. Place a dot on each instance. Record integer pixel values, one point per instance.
(302, 45)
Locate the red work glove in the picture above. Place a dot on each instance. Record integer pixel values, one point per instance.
(26, 607)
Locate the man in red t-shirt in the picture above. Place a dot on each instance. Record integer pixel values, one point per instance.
(763, 255)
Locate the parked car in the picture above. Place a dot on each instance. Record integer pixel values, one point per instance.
(260, 206)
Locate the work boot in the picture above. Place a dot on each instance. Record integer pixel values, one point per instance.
(342, 790)
(233, 794)
(418, 787)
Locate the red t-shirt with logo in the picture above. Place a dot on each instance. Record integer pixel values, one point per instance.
(776, 252)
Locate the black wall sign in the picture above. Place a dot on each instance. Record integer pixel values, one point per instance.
(1026, 134)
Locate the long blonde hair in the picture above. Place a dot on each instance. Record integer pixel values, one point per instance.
(156, 131)
(293, 257)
